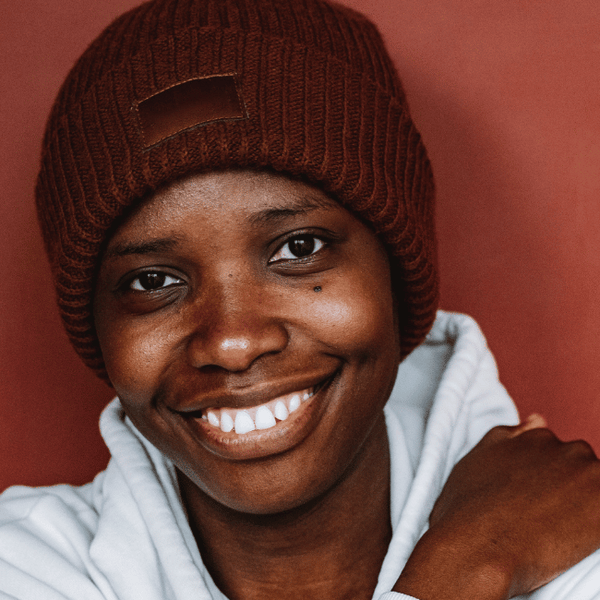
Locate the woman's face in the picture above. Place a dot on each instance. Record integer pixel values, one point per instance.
(247, 324)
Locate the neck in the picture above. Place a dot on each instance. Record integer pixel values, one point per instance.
(331, 547)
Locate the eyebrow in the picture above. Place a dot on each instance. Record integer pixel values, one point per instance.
(303, 205)
(132, 248)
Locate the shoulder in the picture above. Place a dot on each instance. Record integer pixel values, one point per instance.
(19, 503)
(45, 536)
(46, 511)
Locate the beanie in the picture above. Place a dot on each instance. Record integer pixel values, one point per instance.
(173, 87)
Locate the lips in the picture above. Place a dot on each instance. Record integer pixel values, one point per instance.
(264, 428)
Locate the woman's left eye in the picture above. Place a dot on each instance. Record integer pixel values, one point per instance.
(153, 280)
(300, 246)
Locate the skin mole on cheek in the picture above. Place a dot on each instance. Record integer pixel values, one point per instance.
(317, 288)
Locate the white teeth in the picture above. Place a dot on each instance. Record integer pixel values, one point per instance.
(264, 418)
(244, 422)
(294, 402)
(212, 418)
(226, 423)
(281, 412)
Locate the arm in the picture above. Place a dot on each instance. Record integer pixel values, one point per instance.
(517, 511)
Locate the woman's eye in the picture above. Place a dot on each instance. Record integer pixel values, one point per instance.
(153, 280)
(298, 247)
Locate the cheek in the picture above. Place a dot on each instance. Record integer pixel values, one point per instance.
(136, 355)
(355, 313)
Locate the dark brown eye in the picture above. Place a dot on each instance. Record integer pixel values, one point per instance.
(153, 280)
(298, 247)
(302, 246)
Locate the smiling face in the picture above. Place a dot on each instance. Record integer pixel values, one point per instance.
(247, 324)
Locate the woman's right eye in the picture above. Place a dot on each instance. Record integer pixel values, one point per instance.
(152, 281)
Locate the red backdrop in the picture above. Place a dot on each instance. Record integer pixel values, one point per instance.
(505, 95)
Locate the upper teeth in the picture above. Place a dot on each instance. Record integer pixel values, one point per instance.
(264, 416)
(243, 422)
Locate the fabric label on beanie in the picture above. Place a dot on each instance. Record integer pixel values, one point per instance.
(189, 104)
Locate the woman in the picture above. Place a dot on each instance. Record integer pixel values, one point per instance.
(239, 216)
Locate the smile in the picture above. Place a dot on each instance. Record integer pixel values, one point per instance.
(260, 428)
(263, 416)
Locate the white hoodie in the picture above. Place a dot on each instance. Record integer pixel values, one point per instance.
(125, 536)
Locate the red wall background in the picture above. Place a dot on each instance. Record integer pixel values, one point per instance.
(506, 97)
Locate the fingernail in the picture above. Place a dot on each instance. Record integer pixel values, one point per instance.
(537, 419)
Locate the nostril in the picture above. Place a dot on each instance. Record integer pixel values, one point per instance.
(211, 369)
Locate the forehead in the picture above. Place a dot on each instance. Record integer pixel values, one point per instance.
(251, 198)
(247, 191)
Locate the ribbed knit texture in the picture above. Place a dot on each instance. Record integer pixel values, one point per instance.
(323, 101)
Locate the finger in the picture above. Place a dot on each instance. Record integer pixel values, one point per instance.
(533, 421)
(506, 432)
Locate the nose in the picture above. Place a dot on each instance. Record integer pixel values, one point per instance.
(236, 324)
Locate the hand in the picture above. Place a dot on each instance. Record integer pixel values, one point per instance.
(518, 510)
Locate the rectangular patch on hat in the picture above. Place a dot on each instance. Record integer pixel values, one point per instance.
(189, 104)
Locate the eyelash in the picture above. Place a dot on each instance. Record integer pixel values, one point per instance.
(135, 284)
(131, 285)
(318, 243)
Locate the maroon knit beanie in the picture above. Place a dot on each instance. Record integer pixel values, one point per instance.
(172, 87)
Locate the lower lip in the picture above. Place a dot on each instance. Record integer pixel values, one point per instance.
(261, 443)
